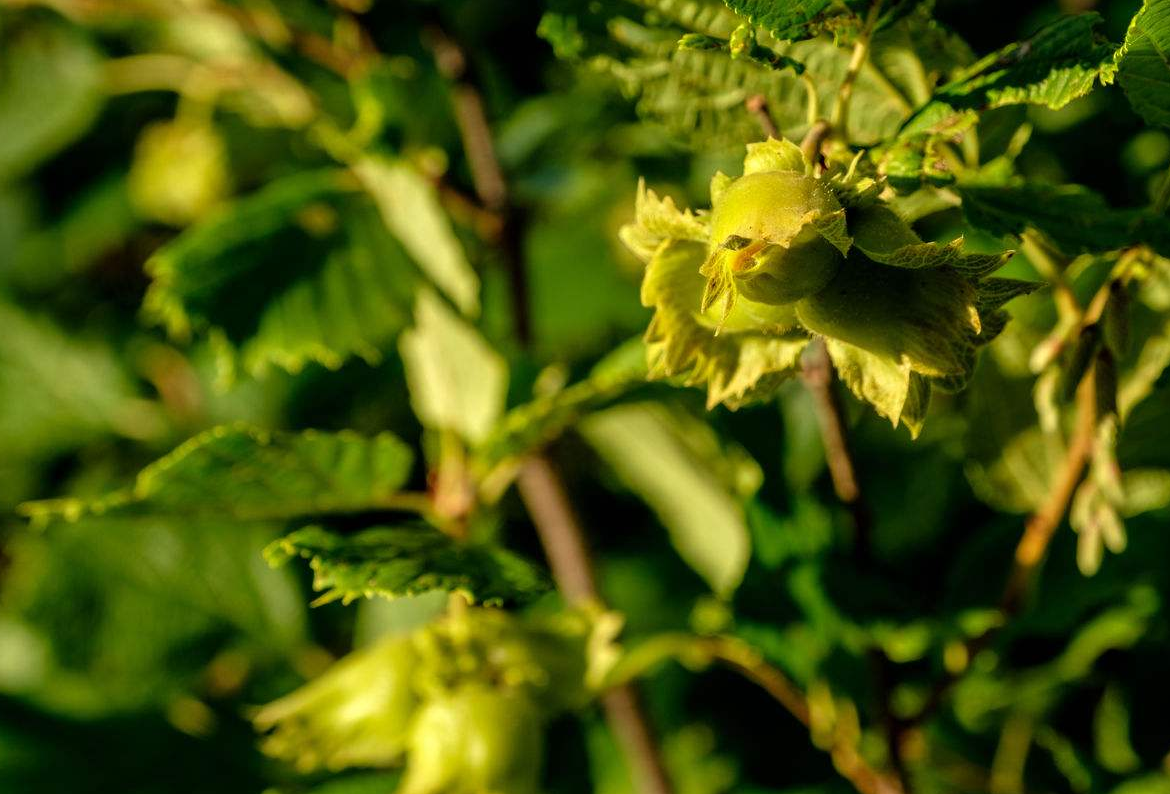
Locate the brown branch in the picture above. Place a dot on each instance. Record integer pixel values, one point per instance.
(540, 485)
(820, 380)
(846, 758)
(1042, 525)
(543, 493)
(487, 176)
(810, 146)
(757, 105)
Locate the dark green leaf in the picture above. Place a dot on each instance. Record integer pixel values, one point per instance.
(403, 561)
(1143, 64)
(1075, 218)
(116, 615)
(243, 473)
(299, 271)
(57, 391)
(787, 20)
(1062, 62)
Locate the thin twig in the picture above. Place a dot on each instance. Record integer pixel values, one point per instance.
(544, 495)
(486, 174)
(543, 492)
(540, 485)
(739, 656)
(757, 105)
(847, 760)
(840, 115)
(820, 380)
(1042, 525)
(810, 146)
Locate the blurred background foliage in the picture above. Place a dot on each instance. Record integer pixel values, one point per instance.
(132, 650)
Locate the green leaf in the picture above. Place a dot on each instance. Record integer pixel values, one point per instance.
(672, 461)
(98, 221)
(1114, 750)
(882, 382)
(786, 20)
(360, 783)
(700, 94)
(58, 392)
(708, 17)
(117, 616)
(393, 562)
(409, 206)
(457, 382)
(1016, 480)
(884, 237)
(536, 423)
(1075, 218)
(1063, 61)
(50, 92)
(1035, 690)
(806, 533)
(1154, 783)
(1145, 490)
(298, 271)
(657, 219)
(917, 54)
(995, 292)
(244, 473)
(1143, 62)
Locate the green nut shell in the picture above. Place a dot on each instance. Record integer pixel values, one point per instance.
(770, 206)
(923, 317)
(474, 740)
(761, 236)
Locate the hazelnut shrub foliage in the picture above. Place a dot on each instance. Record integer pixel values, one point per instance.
(844, 337)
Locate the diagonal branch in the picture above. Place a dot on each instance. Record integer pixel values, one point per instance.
(541, 487)
(821, 381)
(543, 492)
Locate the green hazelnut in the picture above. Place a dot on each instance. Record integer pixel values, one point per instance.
(761, 236)
(474, 740)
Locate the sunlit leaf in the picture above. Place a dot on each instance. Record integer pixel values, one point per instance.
(457, 382)
(410, 207)
(673, 465)
(244, 473)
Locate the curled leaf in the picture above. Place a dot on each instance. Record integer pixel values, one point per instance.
(657, 219)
